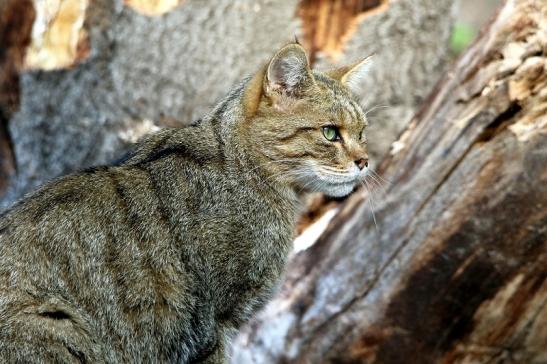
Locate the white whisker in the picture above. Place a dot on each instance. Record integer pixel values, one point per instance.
(371, 205)
(376, 107)
(375, 183)
(385, 180)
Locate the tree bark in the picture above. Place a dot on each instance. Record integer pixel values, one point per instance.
(16, 18)
(120, 73)
(456, 269)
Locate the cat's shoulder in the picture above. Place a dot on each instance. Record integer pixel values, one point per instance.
(193, 144)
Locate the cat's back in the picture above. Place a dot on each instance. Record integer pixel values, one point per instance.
(94, 252)
(50, 271)
(109, 215)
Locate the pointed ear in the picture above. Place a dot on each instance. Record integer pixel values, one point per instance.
(352, 76)
(288, 73)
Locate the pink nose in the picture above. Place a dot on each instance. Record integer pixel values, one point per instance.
(361, 163)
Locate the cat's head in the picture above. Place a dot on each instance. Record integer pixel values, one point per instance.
(306, 128)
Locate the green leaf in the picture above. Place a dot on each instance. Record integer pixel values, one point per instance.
(462, 35)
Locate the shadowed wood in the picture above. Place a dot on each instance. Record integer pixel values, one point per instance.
(456, 270)
(16, 18)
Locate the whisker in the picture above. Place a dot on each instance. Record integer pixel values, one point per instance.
(311, 182)
(371, 205)
(376, 107)
(376, 183)
(385, 180)
(328, 168)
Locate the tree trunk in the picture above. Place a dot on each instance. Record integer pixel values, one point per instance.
(99, 74)
(456, 269)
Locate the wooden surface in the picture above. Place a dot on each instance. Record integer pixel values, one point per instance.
(456, 270)
(16, 18)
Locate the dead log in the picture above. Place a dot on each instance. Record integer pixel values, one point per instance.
(456, 270)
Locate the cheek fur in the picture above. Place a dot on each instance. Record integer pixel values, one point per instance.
(338, 156)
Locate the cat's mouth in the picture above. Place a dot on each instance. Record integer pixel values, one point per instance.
(333, 183)
(339, 189)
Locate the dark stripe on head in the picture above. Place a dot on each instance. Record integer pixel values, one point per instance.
(120, 191)
(296, 133)
(356, 109)
(303, 154)
(217, 130)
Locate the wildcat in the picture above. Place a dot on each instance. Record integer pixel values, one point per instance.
(162, 257)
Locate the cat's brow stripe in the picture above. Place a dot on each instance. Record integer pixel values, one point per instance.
(355, 111)
(296, 133)
(303, 154)
(218, 135)
(358, 112)
(120, 193)
(346, 107)
(132, 216)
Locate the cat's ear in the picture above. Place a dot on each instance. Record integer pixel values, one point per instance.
(352, 76)
(288, 72)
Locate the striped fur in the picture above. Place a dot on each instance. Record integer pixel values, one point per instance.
(163, 256)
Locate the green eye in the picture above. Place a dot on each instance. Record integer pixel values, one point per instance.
(331, 133)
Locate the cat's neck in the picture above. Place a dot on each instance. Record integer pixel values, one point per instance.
(226, 119)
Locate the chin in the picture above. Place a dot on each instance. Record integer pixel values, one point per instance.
(339, 190)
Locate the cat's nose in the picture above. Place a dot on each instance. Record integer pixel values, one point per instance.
(361, 163)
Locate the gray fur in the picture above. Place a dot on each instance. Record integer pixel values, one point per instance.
(154, 260)
(164, 256)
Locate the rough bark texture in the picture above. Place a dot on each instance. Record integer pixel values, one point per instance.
(456, 270)
(144, 71)
(16, 18)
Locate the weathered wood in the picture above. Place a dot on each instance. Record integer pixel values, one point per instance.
(456, 271)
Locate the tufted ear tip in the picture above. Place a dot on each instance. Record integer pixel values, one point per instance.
(353, 75)
(289, 71)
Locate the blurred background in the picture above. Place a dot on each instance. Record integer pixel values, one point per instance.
(81, 80)
(471, 16)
